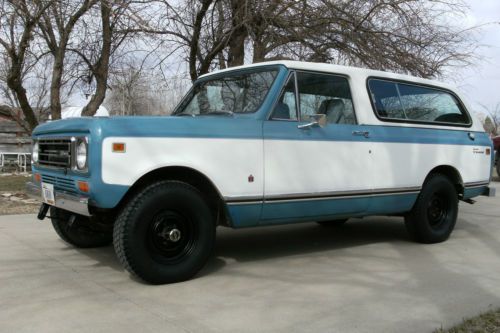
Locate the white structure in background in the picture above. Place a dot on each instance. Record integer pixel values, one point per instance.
(76, 111)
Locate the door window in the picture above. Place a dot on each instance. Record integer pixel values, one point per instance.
(325, 94)
(318, 94)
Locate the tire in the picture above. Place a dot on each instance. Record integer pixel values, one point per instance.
(332, 223)
(434, 215)
(165, 233)
(82, 232)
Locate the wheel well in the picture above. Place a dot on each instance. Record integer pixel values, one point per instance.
(189, 176)
(452, 174)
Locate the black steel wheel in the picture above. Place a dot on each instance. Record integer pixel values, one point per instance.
(80, 231)
(171, 236)
(434, 215)
(165, 233)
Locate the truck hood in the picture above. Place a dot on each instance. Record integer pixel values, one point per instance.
(162, 126)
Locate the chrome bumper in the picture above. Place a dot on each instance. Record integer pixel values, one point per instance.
(64, 200)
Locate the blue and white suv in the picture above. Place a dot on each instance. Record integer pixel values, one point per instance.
(270, 143)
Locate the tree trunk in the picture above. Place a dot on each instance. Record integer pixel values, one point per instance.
(15, 84)
(236, 53)
(195, 40)
(101, 69)
(259, 51)
(56, 82)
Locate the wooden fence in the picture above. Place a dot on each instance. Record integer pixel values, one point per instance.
(13, 138)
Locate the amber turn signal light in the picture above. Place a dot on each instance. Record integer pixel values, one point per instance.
(488, 151)
(118, 147)
(83, 186)
(37, 177)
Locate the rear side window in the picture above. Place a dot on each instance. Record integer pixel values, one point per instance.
(413, 103)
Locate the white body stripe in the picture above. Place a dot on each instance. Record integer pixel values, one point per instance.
(303, 167)
(226, 162)
(403, 164)
(291, 166)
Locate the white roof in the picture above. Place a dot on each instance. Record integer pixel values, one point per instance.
(76, 111)
(337, 69)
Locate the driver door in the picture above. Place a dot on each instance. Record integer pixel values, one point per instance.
(313, 171)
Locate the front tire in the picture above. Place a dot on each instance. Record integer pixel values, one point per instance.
(166, 233)
(434, 215)
(80, 231)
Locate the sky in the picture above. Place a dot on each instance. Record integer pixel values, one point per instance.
(481, 83)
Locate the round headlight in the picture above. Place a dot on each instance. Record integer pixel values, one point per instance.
(81, 155)
(34, 152)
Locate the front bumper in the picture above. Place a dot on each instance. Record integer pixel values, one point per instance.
(67, 201)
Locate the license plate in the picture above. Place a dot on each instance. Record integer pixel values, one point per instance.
(48, 194)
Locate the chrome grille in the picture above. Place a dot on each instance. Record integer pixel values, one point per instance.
(60, 183)
(55, 152)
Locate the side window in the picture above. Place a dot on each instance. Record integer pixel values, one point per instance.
(393, 100)
(325, 94)
(286, 108)
(386, 99)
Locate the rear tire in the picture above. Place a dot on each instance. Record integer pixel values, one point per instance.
(434, 215)
(332, 223)
(165, 233)
(82, 232)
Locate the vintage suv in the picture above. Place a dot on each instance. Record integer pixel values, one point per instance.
(264, 144)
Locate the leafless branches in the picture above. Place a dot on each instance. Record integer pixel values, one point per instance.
(91, 44)
(412, 36)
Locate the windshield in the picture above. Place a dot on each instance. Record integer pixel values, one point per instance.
(236, 93)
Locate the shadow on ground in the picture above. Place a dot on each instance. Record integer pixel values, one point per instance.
(264, 243)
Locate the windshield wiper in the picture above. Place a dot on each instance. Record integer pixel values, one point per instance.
(183, 114)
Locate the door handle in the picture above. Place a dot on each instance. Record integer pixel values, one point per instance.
(366, 134)
(472, 136)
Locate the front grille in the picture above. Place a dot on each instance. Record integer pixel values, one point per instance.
(60, 183)
(55, 152)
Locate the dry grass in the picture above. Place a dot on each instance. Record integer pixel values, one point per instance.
(15, 184)
(488, 322)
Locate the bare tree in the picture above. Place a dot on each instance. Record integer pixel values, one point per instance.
(87, 43)
(136, 90)
(410, 36)
(18, 21)
(77, 39)
(56, 26)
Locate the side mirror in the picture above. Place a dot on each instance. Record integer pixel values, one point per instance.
(315, 120)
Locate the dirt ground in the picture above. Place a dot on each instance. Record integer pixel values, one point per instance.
(12, 195)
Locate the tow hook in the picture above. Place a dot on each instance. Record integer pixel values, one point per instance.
(42, 212)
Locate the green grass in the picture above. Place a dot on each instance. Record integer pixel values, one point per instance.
(13, 183)
(488, 322)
